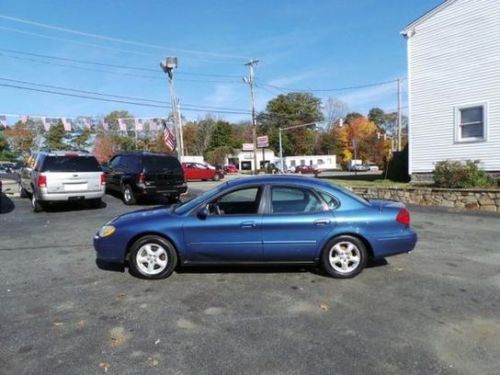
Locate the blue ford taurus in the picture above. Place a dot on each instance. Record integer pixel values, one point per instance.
(257, 220)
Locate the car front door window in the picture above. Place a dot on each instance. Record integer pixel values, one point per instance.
(239, 202)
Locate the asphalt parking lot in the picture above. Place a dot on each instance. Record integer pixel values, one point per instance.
(435, 311)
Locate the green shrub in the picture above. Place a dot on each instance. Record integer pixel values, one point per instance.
(457, 175)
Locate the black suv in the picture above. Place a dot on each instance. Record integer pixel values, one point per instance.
(145, 174)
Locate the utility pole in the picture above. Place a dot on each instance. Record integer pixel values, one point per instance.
(168, 67)
(400, 125)
(251, 81)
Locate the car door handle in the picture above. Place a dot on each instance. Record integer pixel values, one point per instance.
(248, 224)
(321, 222)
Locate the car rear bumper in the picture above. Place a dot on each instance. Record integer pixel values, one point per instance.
(59, 197)
(396, 244)
(163, 190)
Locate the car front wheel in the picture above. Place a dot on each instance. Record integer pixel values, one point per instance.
(152, 257)
(344, 257)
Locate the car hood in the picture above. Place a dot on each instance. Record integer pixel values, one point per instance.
(145, 214)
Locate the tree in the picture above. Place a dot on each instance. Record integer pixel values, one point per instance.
(20, 137)
(112, 119)
(54, 138)
(377, 116)
(218, 155)
(291, 109)
(221, 135)
(104, 149)
(334, 109)
(81, 139)
(351, 116)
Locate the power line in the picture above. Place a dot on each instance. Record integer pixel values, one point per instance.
(119, 66)
(118, 40)
(119, 73)
(347, 88)
(119, 98)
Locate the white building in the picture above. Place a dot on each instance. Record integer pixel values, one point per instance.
(454, 85)
(244, 160)
(322, 162)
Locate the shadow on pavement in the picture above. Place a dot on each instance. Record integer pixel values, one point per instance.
(6, 204)
(106, 266)
(71, 206)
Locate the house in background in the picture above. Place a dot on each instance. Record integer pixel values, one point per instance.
(454, 86)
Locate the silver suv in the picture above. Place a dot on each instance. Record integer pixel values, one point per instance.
(62, 176)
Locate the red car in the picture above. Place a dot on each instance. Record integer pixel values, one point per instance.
(199, 171)
(307, 169)
(230, 169)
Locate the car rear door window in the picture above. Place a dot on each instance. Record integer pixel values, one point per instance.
(157, 163)
(70, 164)
(287, 200)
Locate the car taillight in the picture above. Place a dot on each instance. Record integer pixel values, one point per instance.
(41, 181)
(140, 178)
(103, 179)
(403, 216)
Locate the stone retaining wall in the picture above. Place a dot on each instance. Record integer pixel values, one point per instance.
(469, 199)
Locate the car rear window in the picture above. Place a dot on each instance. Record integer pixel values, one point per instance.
(70, 164)
(160, 163)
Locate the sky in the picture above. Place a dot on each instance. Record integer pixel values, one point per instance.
(301, 45)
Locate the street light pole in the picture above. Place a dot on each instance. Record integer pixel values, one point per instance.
(282, 164)
(168, 66)
(251, 81)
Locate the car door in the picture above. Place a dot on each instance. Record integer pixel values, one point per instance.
(295, 224)
(232, 230)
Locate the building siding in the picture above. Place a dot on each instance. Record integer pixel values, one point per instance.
(454, 60)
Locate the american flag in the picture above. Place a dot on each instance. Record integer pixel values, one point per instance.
(66, 124)
(169, 137)
(46, 124)
(139, 126)
(122, 124)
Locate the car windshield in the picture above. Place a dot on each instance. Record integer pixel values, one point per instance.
(70, 164)
(187, 206)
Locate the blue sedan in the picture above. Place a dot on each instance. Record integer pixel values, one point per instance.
(260, 220)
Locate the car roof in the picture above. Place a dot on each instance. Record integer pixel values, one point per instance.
(64, 153)
(280, 179)
(144, 153)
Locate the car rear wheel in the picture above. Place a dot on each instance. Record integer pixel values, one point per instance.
(344, 257)
(95, 203)
(216, 177)
(36, 204)
(22, 192)
(128, 195)
(152, 257)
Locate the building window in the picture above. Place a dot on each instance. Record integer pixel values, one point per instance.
(292, 163)
(471, 123)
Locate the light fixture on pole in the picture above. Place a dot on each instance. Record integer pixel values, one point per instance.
(250, 80)
(168, 66)
(310, 124)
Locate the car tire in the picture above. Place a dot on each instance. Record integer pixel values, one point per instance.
(128, 195)
(22, 192)
(216, 177)
(344, 257)
(95, 203)
(36, 204)
(152, 257)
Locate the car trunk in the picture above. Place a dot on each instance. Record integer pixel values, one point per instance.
(162, 172)
(382, 204)
(67, 182)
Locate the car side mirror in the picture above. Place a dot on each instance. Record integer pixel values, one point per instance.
(203, 213)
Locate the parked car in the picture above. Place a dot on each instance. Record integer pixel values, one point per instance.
(198, 171)
(372, 167)
(230, 169)
(360, 168)
(62, 176)
(137, 175)
(258, 220)
(307, 169)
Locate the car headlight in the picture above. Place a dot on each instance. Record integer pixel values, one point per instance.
(107, 231)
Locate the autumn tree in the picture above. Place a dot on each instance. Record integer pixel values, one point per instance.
(20, 137)
(103, 149)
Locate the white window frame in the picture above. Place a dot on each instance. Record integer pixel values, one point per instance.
(458, 123)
